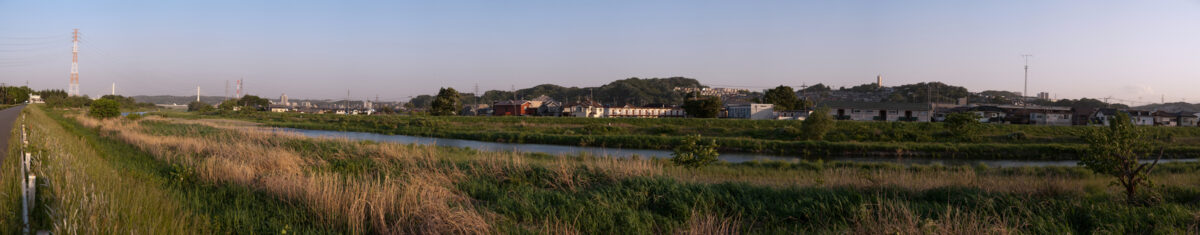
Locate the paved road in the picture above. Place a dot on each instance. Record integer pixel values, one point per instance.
(8, 120)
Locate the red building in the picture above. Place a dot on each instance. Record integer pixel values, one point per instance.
(510, 108)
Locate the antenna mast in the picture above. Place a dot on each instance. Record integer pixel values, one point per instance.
(1025, 93)
(73, 89)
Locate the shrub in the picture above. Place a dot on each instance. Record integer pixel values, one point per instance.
(105, 108)
(693, 153)
(197, 106)
(817, 124)
(963, 125)
(1116, 150)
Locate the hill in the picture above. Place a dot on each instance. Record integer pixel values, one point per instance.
(631, 91)
(1172, 107)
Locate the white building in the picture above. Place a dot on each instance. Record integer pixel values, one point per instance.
(751, 111)
(878, 111)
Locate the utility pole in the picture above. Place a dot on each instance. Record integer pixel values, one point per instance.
(73, 88)
(1025, 93)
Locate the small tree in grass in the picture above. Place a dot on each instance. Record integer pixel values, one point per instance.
(817, 124)
(1117, 150)
(197, 106)
(963, 125)
(105, 108)
(694, 152)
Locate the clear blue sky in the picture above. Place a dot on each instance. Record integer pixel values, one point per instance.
(1125, 49)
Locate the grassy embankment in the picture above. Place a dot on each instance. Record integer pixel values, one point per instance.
(94, 184)
(384, 188)
(894, 139)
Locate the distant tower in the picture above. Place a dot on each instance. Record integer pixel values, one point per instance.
(1025, 93)
(114, 89)
(197, 93)
(227, 89)
(283, 100)
(879, 81)
(239, 88)
(73, 89)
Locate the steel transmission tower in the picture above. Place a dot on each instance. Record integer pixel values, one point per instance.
(1025, 93)
(73, 89)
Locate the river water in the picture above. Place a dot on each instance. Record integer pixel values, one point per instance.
(616, 152)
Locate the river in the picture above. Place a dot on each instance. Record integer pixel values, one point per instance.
(617, 152)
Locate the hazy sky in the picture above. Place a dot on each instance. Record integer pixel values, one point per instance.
(1132, 50)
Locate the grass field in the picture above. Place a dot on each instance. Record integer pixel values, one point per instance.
(235, 176)
(871, 139)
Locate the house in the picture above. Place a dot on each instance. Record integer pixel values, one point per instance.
(990, 113)
(1138, 117)
(1045, 115)
(1082, 116)
(586, 108)
(1188, 119)
(792, 115)
(1164, 118)
(476, 110)
(35, 99)
(643, 112)
(1141, 117)
(279, 108)
(550, 108)
(878, 111)
(510, 108)
(1102, 116)
(752, 111)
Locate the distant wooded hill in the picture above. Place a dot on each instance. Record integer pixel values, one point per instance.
(632, 91)
(1172, 107)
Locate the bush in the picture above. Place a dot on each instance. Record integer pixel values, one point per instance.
(693, 153)
(963, 125)
(197, 106)
(817, 124)
(134, 116)
(105, 108)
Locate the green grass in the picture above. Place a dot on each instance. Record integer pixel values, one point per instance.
(530, 199)
(230, 208)
(539, 193)
(849, 139)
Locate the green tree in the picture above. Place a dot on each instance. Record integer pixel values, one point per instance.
(817, 124)
(706, 107)
(15, 95)
(421, 101)
(1116, 150)
(694, 152)
(963, 125)
(446, 103)
(784, 98)
(228, 105)
(105, 108)
(253, 102)
(197, 106)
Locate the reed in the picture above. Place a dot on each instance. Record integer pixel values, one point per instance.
(82, 193)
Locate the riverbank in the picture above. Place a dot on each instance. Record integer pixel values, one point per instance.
(370, 187)
(848, 139)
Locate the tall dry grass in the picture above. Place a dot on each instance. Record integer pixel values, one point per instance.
(85, 194)
(705, 224)
(420, 199)
(892, 217)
